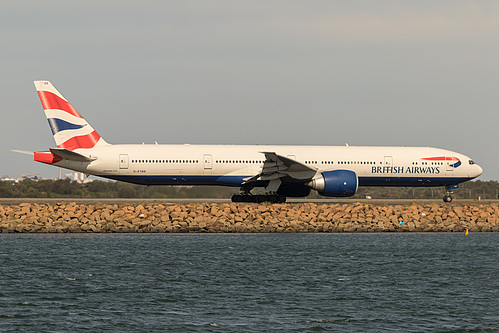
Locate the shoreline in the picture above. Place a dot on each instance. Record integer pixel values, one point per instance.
(165, 216)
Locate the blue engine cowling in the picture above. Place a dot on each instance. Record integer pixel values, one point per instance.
(336, 183)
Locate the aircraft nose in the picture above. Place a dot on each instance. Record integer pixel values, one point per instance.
(476, 171)
(480, 170)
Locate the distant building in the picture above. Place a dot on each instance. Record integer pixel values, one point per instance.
(78, 177)
(11, 180)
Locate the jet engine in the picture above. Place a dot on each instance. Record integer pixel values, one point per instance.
(336, 183)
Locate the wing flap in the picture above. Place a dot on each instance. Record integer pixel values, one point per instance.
(276, 167)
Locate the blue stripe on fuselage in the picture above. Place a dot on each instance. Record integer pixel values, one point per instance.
(180, 180)
(238, 180)
(411, 181)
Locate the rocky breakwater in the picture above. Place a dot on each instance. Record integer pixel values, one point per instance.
(249, 218)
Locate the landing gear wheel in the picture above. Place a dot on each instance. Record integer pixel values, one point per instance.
(273, 198)
(281, 199)
(447, 198)
(237, 198)
(260, 198)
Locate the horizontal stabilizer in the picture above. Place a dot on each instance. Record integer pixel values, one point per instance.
(70, 155)
(23, 152)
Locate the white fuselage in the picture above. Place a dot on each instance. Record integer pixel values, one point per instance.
(231, 165)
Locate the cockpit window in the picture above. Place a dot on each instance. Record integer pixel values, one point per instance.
(471, 162)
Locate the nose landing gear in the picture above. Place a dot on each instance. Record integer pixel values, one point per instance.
(447, 197)
(448, 194)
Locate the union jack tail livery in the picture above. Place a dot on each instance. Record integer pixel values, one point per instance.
(70, 130)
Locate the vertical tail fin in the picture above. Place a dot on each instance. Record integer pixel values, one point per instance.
(70, 130)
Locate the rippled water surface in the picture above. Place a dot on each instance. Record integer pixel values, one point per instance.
(250, 283)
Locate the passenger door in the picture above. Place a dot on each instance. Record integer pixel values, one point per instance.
(123, 161)
(207, 163)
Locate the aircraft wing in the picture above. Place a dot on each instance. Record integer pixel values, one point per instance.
(70, 155)
(277, 167)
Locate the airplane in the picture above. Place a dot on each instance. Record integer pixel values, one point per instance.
(284, 171)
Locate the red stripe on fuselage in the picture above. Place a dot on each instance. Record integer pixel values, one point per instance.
(84, 141)
(441, 158)
(52, 101)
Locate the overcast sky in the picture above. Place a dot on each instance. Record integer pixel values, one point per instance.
(406, 73)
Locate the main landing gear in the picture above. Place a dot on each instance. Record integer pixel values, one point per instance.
(273, 198)
(246, 196)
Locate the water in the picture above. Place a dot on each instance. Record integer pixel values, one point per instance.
(250, 283)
